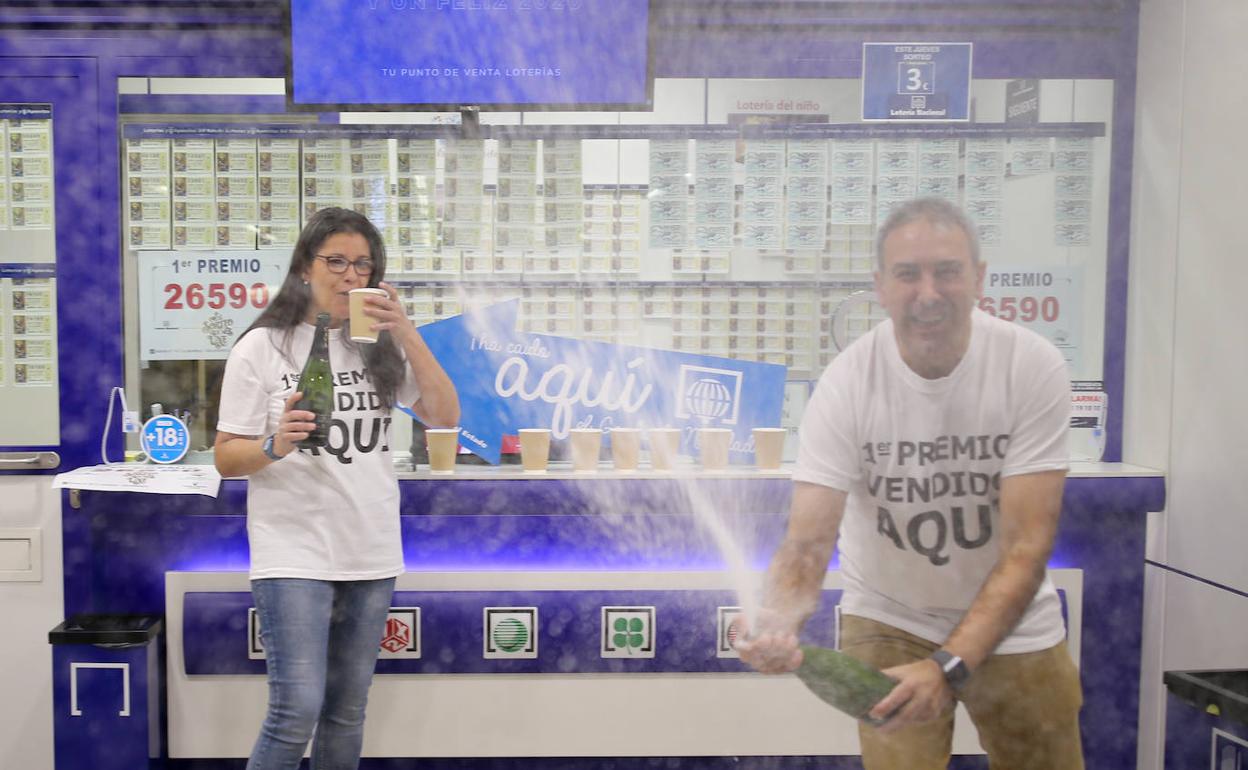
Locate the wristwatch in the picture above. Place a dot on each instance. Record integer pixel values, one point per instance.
(267, 448)
(955, 670)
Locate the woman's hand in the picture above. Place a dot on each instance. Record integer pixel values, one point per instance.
(438, 403)
(293, 426)
(236, 455)
(389, 312)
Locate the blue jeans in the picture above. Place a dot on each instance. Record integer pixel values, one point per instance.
(320, 640)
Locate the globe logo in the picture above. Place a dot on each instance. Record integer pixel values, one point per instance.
(708, 399)
(510, 635)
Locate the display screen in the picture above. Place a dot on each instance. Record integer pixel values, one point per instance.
(425, 54)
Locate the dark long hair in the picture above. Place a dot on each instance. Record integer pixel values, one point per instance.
(289, 307)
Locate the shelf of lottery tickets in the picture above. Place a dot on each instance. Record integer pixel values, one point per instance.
(756, 247)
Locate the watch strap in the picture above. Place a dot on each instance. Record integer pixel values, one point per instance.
(267, 448)
(954, 668)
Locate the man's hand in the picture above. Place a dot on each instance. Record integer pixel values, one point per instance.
(921, 695)
(770, 647)
(768, 640)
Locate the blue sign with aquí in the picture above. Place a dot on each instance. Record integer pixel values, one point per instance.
(509, 380)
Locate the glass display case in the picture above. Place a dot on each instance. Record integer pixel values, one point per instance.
(744, 231)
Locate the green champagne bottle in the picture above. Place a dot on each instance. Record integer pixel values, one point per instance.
(844, 682)
(316, 383)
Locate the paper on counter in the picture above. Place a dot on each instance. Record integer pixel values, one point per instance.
(142, 477)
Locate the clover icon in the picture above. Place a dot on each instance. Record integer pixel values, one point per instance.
(628, 633)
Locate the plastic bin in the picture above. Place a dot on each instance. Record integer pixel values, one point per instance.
(1207, 720)
(107, 692)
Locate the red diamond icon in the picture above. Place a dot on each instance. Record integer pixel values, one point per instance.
(397, 637)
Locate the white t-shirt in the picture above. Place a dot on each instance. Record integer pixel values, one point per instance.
(324, 514)
(922, 462)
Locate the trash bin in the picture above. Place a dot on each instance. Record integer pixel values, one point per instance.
(1207, 720)
(107, 692)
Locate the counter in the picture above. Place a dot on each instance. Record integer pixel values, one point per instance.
(570, 544)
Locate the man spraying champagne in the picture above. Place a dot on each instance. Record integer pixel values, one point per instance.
(933, 451)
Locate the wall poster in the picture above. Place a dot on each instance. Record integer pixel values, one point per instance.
(194, 304)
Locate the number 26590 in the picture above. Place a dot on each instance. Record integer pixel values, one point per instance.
(1025, 309)
(215, 295)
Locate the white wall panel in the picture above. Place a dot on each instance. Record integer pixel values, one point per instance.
(1205, 626)
(31, 609)
(1208, 491)
(1156, 196)
(1185, 362)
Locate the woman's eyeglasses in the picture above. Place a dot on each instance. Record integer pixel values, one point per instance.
(336, 264)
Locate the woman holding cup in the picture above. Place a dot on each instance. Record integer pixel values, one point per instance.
(323, 523)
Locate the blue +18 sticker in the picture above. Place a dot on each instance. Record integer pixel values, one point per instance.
(165, 439)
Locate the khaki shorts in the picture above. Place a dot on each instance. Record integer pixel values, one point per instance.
(1025, 706)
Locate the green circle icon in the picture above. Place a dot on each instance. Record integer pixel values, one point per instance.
(510, 635)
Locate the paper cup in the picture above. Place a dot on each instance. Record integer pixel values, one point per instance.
(443, 444)
(769, 447)
(625, 446)
(713, 446)
(664, 447)
(534, 449)
(586, 446)
(361, 323)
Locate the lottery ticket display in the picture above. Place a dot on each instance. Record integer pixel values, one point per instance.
(741, 247)
(28, 346)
